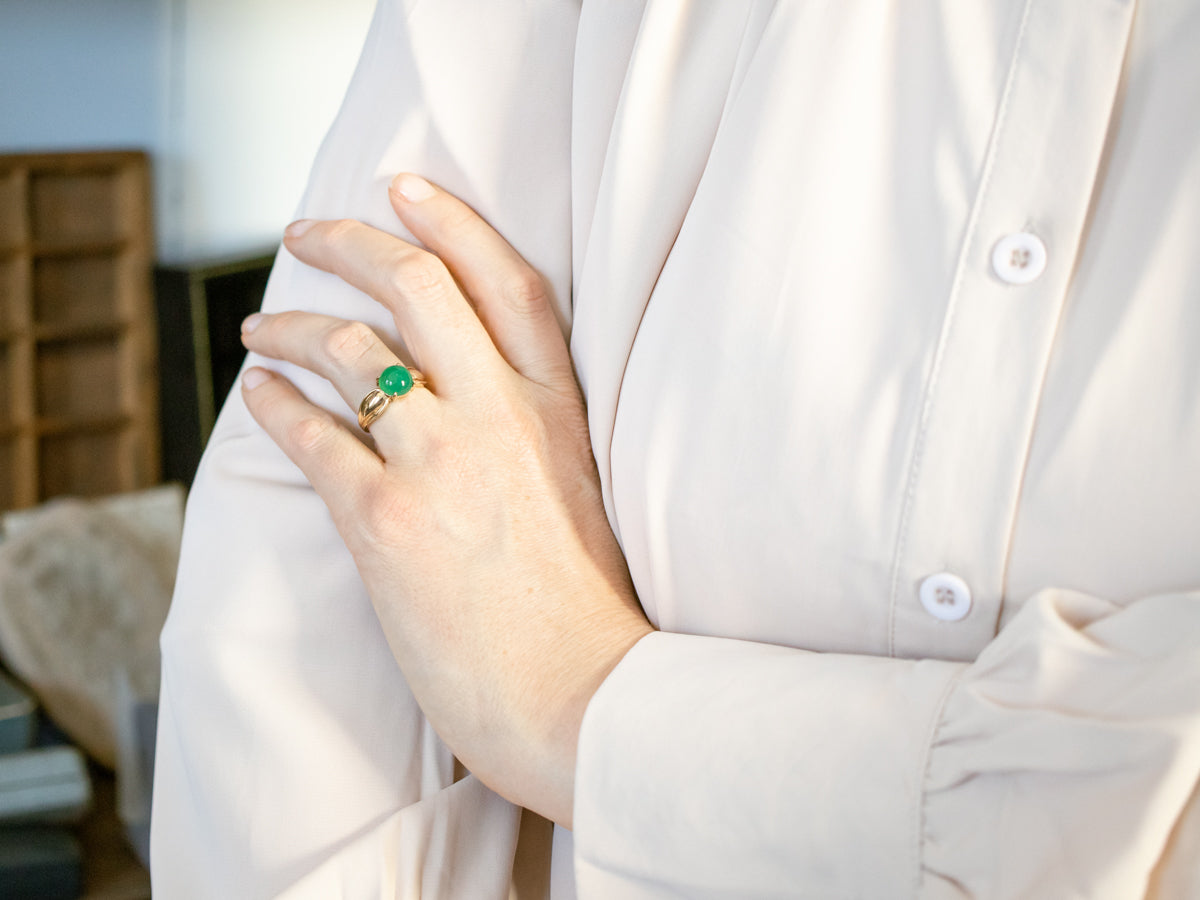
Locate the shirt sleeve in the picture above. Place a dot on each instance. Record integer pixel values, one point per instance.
(1060, 763)
(292, 758)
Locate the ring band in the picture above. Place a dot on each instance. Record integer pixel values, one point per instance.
(372, 408)
(393, 383)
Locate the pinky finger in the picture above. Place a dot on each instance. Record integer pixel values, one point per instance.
(336, 464)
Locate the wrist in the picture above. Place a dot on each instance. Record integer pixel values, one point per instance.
(544, 735)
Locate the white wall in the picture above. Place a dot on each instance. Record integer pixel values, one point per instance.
(260, 82)
(231, 97)
(81, 74)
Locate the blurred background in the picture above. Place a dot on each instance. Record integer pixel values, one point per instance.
(151, 152)
(229, 97)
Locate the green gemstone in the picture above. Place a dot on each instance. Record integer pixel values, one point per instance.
(395, 381)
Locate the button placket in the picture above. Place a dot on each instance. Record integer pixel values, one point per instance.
(988, 369)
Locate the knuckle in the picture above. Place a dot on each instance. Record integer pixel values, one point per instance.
(311, 434)
(386, 511)
(420, 278)
(396, 518)
(518, 425)
(449, 463)
(459, 219)
(283, 318)
(341, 230)
(339, 238)
(278, 325)
(524, 293)
(347, 343)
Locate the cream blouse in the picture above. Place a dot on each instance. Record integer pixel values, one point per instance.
(888, 318)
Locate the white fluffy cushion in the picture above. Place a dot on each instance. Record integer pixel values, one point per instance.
(84, 591)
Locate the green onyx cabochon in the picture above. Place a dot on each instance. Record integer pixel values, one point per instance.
(395, 381)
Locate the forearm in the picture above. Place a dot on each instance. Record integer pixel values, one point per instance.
(1054, 765)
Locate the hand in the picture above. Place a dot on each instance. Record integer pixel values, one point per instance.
(477, 522)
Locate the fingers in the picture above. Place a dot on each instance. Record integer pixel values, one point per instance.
(347, 354)
(455, 345)
(510, 297)
(443, 333)
(339, 468)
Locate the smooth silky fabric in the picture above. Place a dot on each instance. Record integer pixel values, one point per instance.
(812, 385)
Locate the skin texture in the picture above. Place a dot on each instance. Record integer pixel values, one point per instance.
(477, 521)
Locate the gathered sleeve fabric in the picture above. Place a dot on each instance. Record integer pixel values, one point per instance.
(1058, 764)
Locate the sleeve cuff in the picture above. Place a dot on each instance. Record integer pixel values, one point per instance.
(722, 768)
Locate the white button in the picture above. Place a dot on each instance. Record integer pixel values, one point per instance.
(1019, 258)
(945, 597)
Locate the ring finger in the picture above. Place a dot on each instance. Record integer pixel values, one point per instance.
(348, 354)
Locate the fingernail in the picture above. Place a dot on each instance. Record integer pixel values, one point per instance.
(299, 227)
(412, 188)
(251, 322)
(253, 378)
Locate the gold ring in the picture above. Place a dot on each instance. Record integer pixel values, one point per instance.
(372, 408)
(393, 383)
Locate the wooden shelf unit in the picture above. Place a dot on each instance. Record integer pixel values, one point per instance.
(78, 367)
